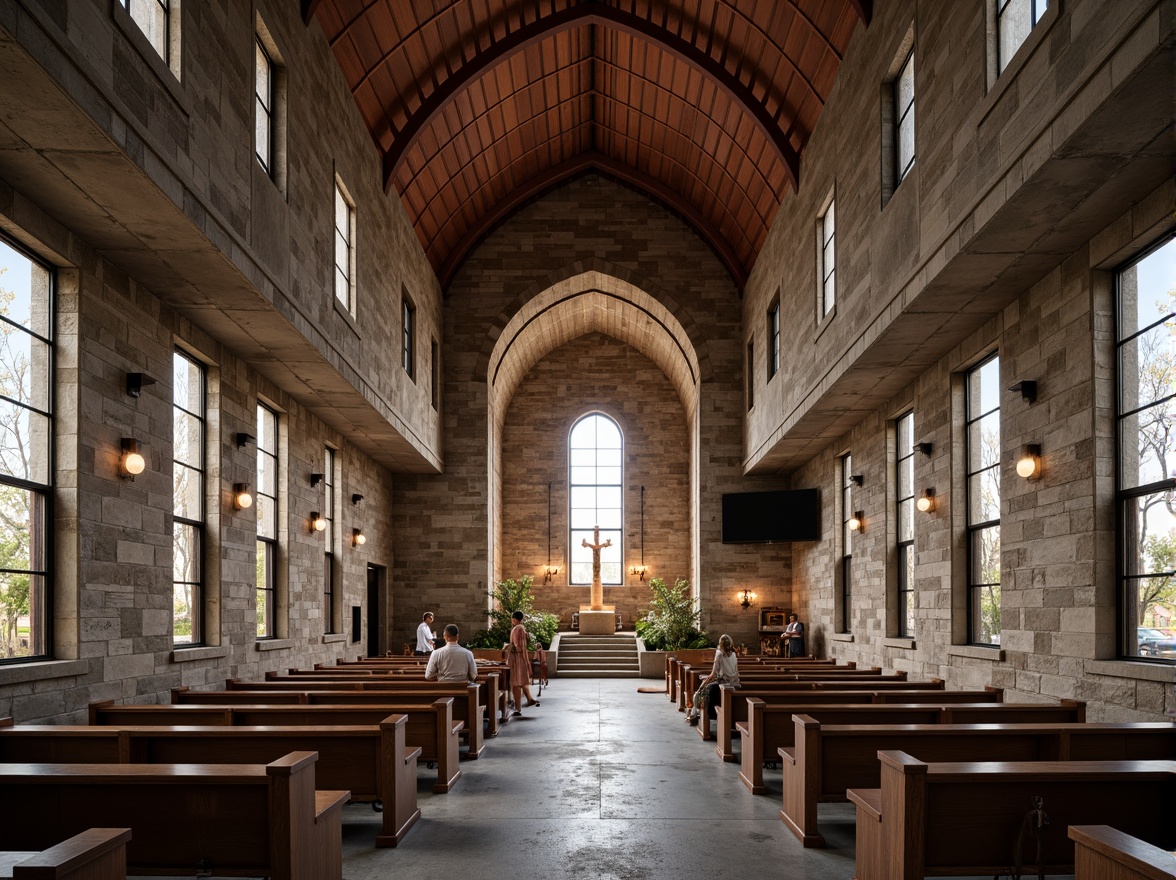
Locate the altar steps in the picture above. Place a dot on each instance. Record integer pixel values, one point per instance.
(611, 656)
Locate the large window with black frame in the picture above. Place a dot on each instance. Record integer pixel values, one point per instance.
(1146, 366)
(982, 448)
(26, 453)
(904, 504)
(267, 521)
(849, 524)
(596, 462)
(188, 499)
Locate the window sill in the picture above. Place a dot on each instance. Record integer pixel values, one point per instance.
(331, 638)
(200, 652)
(39, 670)
(824, 322)
(273, 644)
(841, 637)
(342, 312)
(1141, 670)
(899, 642)
(1001, 83)
(976, 652)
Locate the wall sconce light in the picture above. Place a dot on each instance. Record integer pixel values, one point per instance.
(746, 598)
(315, 479)
(242, 497)
(857, 479)
(856, 521)
(924, 447)
(1027, 389)
(356, 498)
(1029, 463)
(639, 570)
(358, 538)
(317, 523)
(136, 381)
(926, 501)
(549, 572)
(244, 439)
(132, 462)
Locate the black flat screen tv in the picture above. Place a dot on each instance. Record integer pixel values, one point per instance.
(765, 517)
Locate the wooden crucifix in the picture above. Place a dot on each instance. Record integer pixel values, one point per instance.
(596, 596)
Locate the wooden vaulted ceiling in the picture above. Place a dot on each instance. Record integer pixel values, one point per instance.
(479, 105)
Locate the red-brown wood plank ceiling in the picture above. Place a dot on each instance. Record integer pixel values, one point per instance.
(479, 105)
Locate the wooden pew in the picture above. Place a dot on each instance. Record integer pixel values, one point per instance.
(681, 669)
(827, 760)
(692, 676)
(769, 726)
(467, 699)
(734, 707)
(430, 728)
(705, 657)
(778, 691)
(245, 819)
(962, 818)
(1105, 853)
(371, 761)
(93, 854)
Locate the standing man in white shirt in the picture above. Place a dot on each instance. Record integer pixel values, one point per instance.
(425, 636)
(452, 662)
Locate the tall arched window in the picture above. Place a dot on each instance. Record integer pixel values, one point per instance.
(596, 476)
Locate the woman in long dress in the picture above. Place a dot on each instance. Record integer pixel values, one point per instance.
(518, 661)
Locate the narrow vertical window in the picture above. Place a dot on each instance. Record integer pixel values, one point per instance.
(904, 117)
(344, 249)
(774, 339)
(26, 450)
(596, 479)
(749, 374)
(982, 448)
(1145, 337)
(263, 100)
(154, 18)
(330, 541)
(267, 521)
(434, 376)
(828, 268)
(904, 504)
(1015, 19)
(189, 396)
(408, 337)
(849, 524)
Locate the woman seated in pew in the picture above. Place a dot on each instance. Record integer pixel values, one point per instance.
(724, 671)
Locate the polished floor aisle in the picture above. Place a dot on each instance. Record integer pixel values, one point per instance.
(598, 783)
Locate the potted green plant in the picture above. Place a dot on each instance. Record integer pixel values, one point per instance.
(513, 595)
(670, 624)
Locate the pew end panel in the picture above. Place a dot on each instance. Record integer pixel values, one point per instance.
(868, 808)
(1105, 853)
(93, 854)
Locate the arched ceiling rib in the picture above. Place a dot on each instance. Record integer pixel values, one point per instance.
(477, 105)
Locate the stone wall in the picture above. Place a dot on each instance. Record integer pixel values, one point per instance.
(443, 545)
(1058, 603)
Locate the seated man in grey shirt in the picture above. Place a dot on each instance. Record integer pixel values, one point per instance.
(453, 662)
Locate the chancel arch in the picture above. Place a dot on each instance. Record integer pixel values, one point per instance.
(592, 344)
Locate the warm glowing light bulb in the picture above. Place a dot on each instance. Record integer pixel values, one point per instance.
(924, 503)
(317, 522)
(135, 463)
(1025, 467)
(854, 523)
(1029, 464)
(242, 497)
(358, 537)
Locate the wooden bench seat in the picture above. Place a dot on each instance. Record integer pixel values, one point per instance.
(769, 726)
(373, 762)
(243, 819)
(963, 818)
(691, 674)
(430, 728)
(733, 707)
(1105, 853)
(829, 759)
(93, 854)
(468, 704)
(705, 656)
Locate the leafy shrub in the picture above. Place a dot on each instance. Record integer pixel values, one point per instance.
(671, 623)
(510, 596)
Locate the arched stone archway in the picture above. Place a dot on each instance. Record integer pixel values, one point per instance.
(543, 320)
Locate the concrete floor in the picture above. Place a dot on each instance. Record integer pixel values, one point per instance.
(598, 783)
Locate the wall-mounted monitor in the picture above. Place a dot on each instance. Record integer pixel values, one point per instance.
(766, 517)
